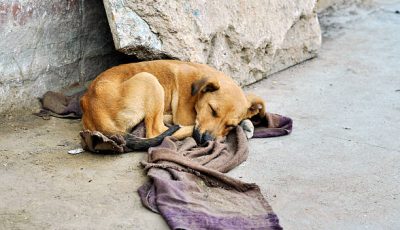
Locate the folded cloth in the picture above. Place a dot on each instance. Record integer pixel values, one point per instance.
(189, 189)
(188, 186)
(271, 125)
(97, 142)
(64, 104)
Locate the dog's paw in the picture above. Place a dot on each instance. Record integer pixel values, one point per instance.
(248, 128)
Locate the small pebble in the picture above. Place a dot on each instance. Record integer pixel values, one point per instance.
(76, 151)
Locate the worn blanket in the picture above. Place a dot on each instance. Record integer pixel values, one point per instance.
(64, 104)
(188, 186)
(272, 125)
(189, 189)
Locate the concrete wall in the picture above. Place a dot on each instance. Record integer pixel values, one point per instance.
(45, 45)
(323, 4)
(224, 34)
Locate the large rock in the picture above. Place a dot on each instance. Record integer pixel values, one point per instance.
(246, 39)
(45, 45)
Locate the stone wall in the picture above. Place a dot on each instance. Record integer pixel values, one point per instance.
(48, 44)
(324, 4)
(247, 40)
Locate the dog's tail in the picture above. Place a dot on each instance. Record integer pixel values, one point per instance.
(137, 143)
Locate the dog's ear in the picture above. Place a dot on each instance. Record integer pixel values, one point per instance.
(257, 106)
(204, 85)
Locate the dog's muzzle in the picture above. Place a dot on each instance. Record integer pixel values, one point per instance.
(202, 138)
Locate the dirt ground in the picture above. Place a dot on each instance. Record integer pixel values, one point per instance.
(43, 187)
(339, 169)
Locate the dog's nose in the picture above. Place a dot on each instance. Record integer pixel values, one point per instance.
(202, 138)
(197, 135)
(206, 137)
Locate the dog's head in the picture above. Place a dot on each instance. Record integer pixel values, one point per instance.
(220, 107)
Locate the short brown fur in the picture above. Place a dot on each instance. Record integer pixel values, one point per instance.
(188, 94)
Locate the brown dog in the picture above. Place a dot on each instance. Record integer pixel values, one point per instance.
(206, 102)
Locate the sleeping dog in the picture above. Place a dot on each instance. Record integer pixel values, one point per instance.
(196, 99)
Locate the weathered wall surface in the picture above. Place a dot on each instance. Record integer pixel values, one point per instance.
(45, 45)
(246, 39)
(324, 4)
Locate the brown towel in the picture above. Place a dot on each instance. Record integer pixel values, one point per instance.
(190, 190)
(188, 186)
(271, 125)
(64, 104)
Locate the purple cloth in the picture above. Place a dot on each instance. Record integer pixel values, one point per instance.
(189, 189)
(59, 105)
(271, 125)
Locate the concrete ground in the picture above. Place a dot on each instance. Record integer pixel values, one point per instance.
(339, 169)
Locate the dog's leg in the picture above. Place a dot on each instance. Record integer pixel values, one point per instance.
(154, 118)
(147, 92)
(183, 132)
(168, 119)
(155, 124)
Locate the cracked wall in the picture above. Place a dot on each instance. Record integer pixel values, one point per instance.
(45, 45)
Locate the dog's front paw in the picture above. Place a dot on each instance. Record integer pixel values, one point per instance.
(248, 128)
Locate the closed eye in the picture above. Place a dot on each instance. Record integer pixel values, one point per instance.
(213, 112)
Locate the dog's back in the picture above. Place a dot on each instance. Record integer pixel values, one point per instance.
(116, 106)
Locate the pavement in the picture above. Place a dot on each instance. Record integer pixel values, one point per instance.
(339, 169)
